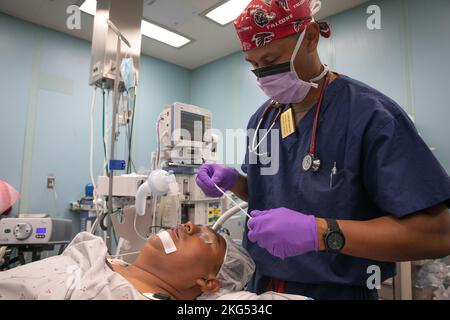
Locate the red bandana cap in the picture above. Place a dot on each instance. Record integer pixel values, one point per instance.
(264, 21)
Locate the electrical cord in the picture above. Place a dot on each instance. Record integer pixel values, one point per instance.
(105, 162)
(137, 232)
(99, 213)
(91, 149)
(107, 130)
(115, 236)
(102, 219)
(158, 150)
(130, 164)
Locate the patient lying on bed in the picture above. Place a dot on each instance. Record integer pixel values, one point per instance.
(205, 265)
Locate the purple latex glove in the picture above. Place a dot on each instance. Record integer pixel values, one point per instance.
(209, 174)
(283, 232)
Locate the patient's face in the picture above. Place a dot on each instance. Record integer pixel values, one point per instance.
(200, 252)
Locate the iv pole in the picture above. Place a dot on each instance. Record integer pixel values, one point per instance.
(114, 135)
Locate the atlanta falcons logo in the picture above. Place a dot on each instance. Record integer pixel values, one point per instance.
(263, 38)
(298, 25)
(325, 29)
(284, 4)
(268, 2)
(261, 17)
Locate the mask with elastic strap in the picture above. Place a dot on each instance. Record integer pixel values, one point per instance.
(281, 82)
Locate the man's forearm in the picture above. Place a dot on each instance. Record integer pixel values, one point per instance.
(424, 235)
(240, 189)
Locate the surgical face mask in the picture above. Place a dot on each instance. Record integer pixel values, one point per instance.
(127, 72)
(281, 83)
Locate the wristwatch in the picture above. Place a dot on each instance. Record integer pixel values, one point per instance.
(334, 238)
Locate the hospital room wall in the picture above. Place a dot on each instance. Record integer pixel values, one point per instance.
(45, 110)
(406, 59)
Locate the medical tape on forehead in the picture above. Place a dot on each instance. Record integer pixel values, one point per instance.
(234, 202)
(168, 244)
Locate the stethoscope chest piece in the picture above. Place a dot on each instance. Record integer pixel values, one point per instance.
(310, 162)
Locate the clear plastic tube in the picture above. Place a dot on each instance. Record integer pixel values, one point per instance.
(137, 232)
(158, 150)
(234, 202)
(124, 254)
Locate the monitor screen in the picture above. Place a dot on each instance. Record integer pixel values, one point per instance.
(192, 122)
(41, 230)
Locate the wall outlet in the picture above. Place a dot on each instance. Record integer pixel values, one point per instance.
(51, 181)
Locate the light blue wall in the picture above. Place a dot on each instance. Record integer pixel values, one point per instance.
(161, 83)
(373, 56)
(430, 44)
(407, 60)
(45, 110)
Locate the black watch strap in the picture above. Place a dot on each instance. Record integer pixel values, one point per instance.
(332, 225)
(333, 229)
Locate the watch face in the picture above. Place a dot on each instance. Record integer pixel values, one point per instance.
(335, 241)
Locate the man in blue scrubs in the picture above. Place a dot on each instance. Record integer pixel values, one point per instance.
(356, 189)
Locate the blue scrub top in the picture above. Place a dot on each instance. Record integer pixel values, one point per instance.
(383, 168)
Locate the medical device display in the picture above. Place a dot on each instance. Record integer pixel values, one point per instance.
(185, 135)
(27, 231)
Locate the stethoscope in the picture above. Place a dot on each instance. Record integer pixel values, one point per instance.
(311, 161)
(272, 105)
